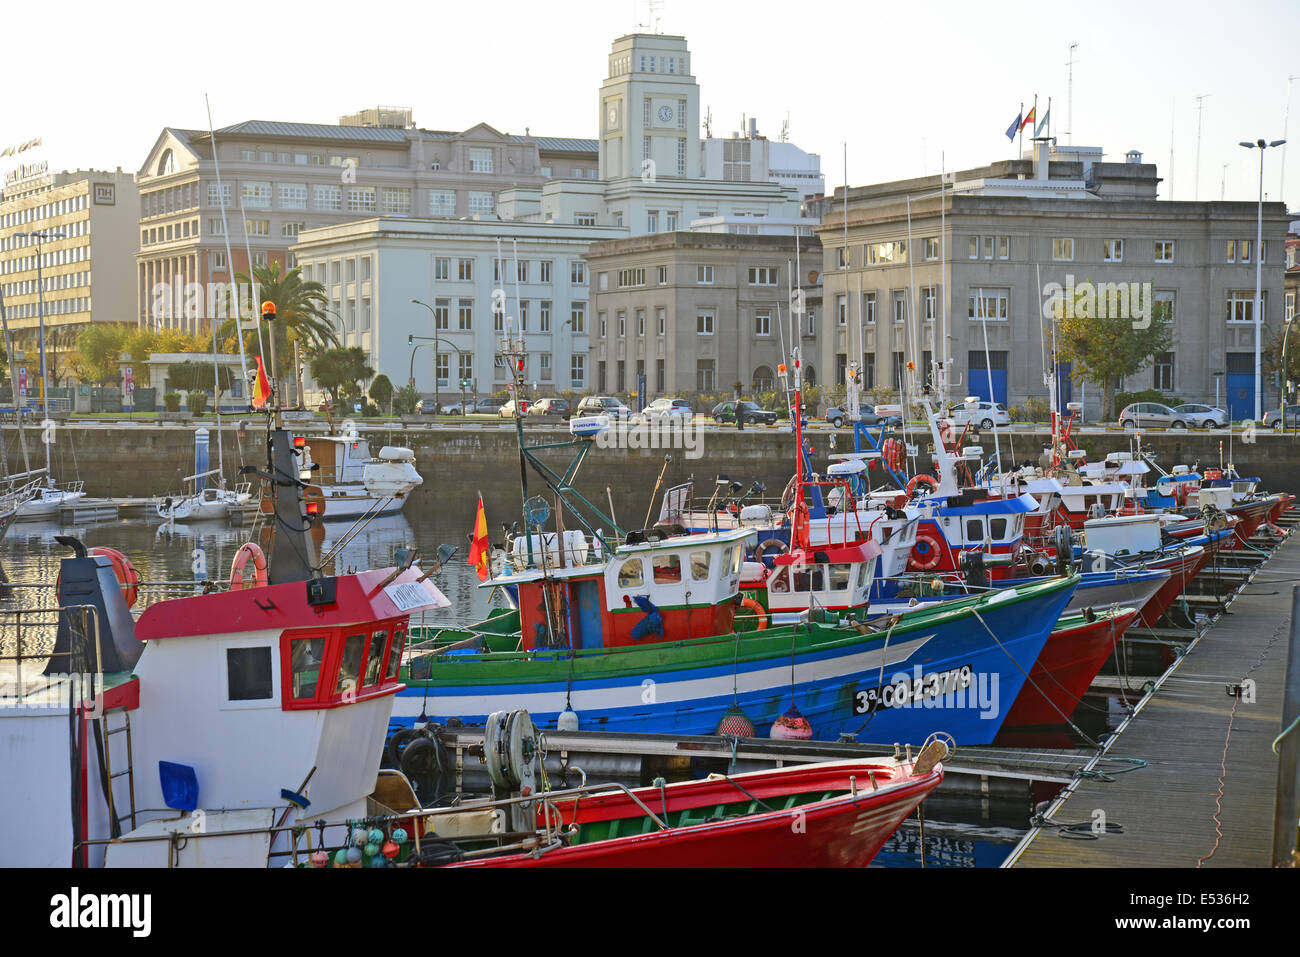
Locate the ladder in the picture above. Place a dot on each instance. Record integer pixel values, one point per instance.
(128, 771)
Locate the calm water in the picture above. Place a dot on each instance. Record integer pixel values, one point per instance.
(183, 555)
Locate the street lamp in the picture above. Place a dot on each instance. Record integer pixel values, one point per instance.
(42, 237)
(434, 313)
(1261, 145)
(1286, 377)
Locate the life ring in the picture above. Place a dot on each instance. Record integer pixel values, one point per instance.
(772, 546)
(246, 551)
(930, 558)
(759, 612)
(123, 570)
(929, 480)
(1213, 474)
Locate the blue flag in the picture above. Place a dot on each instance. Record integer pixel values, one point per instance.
(1015, 125)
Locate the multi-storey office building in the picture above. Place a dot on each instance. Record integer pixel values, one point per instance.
(473, 280)
(984, 253)
(279, 179)
(697, 312)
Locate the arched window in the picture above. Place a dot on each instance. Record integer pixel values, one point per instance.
(764, 380)
(167, 163)
(809, 376)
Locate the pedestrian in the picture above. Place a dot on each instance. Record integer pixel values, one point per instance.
(740, 417)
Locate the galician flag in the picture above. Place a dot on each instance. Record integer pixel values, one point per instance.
(261, 386)
(478, 549)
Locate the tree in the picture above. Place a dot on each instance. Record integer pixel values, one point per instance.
(198, 377)
(1108, 337)
(405, 399)
(1271, 353)
(381, 390)
(299, 318)
(98, 354)
(340, 369)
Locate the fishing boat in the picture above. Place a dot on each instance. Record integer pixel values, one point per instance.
(342, 463)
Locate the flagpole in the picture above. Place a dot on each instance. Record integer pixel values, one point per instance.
(1021, 149)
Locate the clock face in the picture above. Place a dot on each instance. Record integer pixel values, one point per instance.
(665, 114)
(613, 116)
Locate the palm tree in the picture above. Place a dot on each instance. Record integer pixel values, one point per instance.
(300, 316)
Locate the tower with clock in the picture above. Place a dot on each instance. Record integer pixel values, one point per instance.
(649, 110)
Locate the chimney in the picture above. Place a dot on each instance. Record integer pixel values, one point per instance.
(753, 128)
(1041, 162)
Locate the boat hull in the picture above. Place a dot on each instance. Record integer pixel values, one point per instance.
(1182, 569)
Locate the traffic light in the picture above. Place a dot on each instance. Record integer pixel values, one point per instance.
(410, 338)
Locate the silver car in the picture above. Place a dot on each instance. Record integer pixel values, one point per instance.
(1202, 416)
(1149, 415)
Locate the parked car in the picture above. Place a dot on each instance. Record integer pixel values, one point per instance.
(838, 416)
(603, 405)
(726, 412)
(1148, 415)
(508, 410)
(1273, 418)
(667, 408)
(480, 407)
(983, 414)
(1203, 416)
(553, 405)
(427, 407)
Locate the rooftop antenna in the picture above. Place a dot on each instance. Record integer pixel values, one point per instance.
(654, 7)
(708, 123)
(1069, 99)
(785, 129)
(1173, 113)
(1223, 181)
(1200, 108)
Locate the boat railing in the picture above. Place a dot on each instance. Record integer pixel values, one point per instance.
(27, 649)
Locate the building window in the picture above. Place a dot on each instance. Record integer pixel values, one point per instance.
(465, 269)
(216, 226)
(670, 223)
(1241, 303)
(584, 219)
(328, 198)
(661, 275)
(441, 267)
(621, 368)
(1164, 304)
(618, 218)
(681, 156)
(622, 323)
(544, 360)
(704, 322)
(465, 314)
(868, 307)
(603, 324)
(544, 270)
(704, 275)
(441, 314)
(397, 202)
(523, 315)
(442, 202)
(704, 375)
(361, 199)
(762, 275)
(841, 310)
(521, 268)
(293, 195)
(544, 315)
(258, 227)
(1004, 247)
(217, 197)
(652, 221)
(480, 161)
(578, 371)
(577, 273)
(991, 304)
(900, 306)
(443, 370)
(217, 261)
(290, 230)
(763, 322)
(1164, 251)
(257, 195)
(481, 203)
(841, 257)
(631, 277)
(578, 316)
(930, 248)
(929, 302)
(466, 367)
(1063, 250)
(661, 320)
(1113, 251)
(1163, 367)
(1232, 252)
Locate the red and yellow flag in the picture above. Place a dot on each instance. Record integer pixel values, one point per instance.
(1029, 120)
(478, 549)
(261, 386)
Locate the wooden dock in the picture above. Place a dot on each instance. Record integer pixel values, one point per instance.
(1207, 791)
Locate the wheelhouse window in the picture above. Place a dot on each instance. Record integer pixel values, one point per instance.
(395, 655)
(248, 674)
(667, 569)
(632, 574)
(377, 662)
(306, 656)
(780, 582)
(840, 576)
(350, 668)
(700, 565)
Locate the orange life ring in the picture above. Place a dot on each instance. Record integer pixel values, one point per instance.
(760, 613)
(123, 570)
(932, 557)
(1213, 474)
(929, 480)
(246, 551)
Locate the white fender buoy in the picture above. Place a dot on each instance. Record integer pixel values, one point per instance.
(567, 721)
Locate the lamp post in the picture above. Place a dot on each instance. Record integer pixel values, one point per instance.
(424, 341)
(434, 313)
(1261, 145)
(42, 237)
(1286, 377)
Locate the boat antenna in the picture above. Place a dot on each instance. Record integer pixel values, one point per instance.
(225, 231)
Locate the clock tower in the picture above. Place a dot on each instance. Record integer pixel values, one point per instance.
(649, 110)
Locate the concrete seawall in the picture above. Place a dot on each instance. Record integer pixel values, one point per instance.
(458, 461)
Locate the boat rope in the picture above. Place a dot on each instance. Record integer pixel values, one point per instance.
(1107, 776)
(880, 678)
(1033, 684)
(1289, 728)
(757, 800)
(1227, 739)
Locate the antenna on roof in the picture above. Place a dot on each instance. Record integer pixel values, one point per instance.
(785, 128)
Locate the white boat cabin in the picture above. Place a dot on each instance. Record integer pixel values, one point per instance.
(836, 578)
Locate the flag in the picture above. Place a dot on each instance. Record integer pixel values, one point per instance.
(1042, 124)
(1015, 125)
(1029, 120)
(478, 549)
(261, 386)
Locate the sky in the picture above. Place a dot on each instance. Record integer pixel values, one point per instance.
(900, 87)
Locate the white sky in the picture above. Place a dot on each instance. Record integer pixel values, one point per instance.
(900, 83)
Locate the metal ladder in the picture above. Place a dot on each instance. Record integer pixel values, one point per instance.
(128, 771)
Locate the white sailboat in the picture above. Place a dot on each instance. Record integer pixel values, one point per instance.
(212, 503)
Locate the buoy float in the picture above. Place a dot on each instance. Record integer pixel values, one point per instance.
(735, 724)
(757, 610)
(390, 850)
(123, 571)
(246, 551)
(927, 557)
(929, 480)
(791, 726)
(567, 721)
(320, 859)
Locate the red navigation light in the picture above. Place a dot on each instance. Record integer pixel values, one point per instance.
(520, 365)
(313, 508)
(299, 443)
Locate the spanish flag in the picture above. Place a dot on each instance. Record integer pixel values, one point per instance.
(261, 386)
(478, 549)
(1029, 120)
